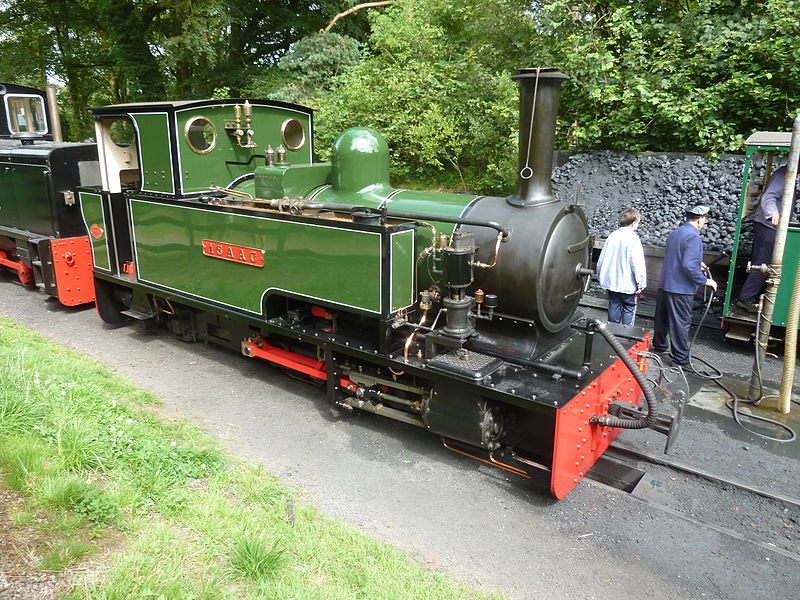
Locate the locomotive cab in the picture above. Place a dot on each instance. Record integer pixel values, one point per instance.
(185, 149)
(25, 114)
(42, 235)
(765, 152)
(119, 154)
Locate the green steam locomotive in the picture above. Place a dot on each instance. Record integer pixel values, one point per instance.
(452, 312)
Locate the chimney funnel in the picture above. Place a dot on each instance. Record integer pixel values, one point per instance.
(540, 90)
(52, 104)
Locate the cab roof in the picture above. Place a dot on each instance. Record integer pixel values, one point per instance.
(175, 105)
(770, 138)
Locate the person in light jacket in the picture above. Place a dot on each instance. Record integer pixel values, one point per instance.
(621, 269)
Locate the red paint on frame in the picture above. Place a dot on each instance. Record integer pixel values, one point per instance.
(24, 272)
(579, 443)
(72, 265)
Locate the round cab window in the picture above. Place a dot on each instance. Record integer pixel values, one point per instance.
(201, 135)
(122, 133)
(293, 134)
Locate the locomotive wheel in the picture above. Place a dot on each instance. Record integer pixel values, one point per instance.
(108, 304)
(492, 427)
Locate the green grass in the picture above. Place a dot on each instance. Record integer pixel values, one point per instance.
(20, 458)
(21, 518)
(87, 450)
(65, 554)
(255, 558)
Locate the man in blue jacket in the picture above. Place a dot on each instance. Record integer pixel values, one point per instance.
(682, 273)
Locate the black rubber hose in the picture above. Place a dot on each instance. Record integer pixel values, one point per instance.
(650, 417)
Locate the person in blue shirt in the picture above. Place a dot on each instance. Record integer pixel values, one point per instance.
(621, 269)
(682, 273)
(765, 223)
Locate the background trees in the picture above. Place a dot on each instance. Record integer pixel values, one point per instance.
(683, 75)
(434, 80)
(108, 51)
(432, 75)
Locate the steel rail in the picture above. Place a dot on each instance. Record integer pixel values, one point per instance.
(617, 449)
(718, 528)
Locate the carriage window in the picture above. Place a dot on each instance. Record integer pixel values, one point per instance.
(201, 135)
(26, 113)
(122, 133)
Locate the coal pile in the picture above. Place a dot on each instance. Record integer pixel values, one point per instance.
(660, 186)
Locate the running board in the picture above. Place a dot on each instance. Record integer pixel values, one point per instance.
(135, 314)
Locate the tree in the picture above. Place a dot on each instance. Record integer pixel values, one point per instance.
(309, 70)
(684, 76)
(111, 51)
(434, 83)
(75, 52)
(125, 23)
(679, 76)
(241, 40)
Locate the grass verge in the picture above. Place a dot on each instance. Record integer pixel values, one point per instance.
(94, 462)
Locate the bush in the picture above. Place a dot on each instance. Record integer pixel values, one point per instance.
(447, 115)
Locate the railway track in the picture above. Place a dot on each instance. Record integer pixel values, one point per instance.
(742, 512)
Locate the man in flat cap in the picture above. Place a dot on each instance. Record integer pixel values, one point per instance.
(682, 273)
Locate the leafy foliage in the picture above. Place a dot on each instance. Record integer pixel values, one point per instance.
(677, 76)
(693, 76)
(432, 75)
(309, 69)
(110, 51)
(63, 42)
(428, 85)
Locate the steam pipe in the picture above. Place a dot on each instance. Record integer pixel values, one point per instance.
(300, 205)
(504, 231)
